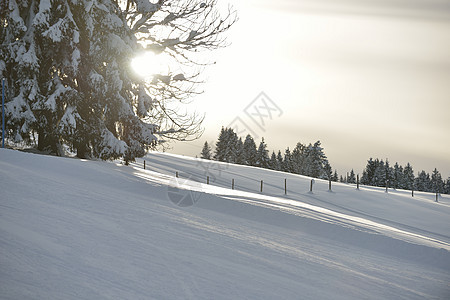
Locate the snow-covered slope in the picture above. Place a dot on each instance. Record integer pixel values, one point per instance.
(73, 229)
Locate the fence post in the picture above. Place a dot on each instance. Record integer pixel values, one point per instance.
(261, 186)
(310, 187)
(285, 186)
(386, 186)
(329, 184)
(437, 195)
(232, 184)
(412, 192)
(144, 164)
(207, 179)
(357, 182)
(176, 174)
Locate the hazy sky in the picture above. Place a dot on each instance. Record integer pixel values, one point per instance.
(367, 78)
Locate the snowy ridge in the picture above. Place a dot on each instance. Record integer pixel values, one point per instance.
(76, 229)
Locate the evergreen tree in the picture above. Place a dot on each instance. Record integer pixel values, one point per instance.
(379, 178)
(69, 80)
(232, 146)
(365, 178)
(227, 146)
(280, 161)
(327, 171)
(389, 174)
(447, 186)
(436, 182)
(249, 151)
(206, 151)
(341, 179)
(221, 145)
(398, 180)
(408, 177)
(423, 182)
(297, 158)
(371, 167)
(287, 161)
(335, 177)
(240, 158)
(314, 160)
(351, 178)
(273, 163)
(262, 156)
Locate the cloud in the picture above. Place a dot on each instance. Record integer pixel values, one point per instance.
(416, 9)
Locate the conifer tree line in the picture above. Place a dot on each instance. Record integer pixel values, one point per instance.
(381, 173)
(309, 160)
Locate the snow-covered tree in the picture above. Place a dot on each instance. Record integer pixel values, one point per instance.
(287, 161)
(239, 156)
(389, 174)
(436, 181)
(298, 158)
(206, 151)
(262, 155)
(250, 151)
(379, 177)
(314, 160)
(368, 175)
(447, 186)
(335, 177)
(69, 81)
(351, 177)
(408, 177)
(226, 146)
(273, 163)
(423, 182)
(279, 161)
(398, 180)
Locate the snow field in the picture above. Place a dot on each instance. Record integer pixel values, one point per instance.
(73, 229)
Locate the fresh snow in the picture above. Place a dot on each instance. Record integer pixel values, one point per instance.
(77, 229)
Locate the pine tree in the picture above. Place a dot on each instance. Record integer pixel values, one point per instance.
(69, 80)
(365, 178)
(423, 182)
(447, 186)
(351, 178)
(287, 163)
(298, 158)
(335, 177)
(314, 160)
(240, 158)
(327, 171)
(206, 151)
(280, 161)
(232, 146)
(379, 178)
(389, 175)
(273, 163)
(369, 174)
(249, 151)
(436, 181)
(262, 156)
(221, 145)
(408, 177)
(398, 177)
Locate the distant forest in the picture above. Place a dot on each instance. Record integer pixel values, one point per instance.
(310, 160)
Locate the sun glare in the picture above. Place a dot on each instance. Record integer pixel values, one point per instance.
(147, 64)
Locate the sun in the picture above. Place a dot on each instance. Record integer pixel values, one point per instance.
(147, 64)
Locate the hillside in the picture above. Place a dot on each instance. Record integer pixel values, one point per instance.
(75, 229)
